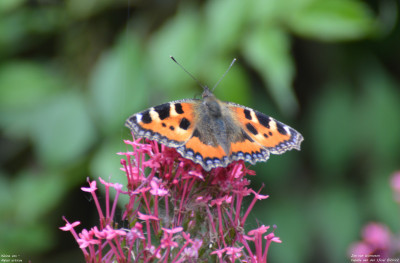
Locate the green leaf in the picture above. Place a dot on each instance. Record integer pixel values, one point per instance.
(225, 21)
(333, 147)
(332, 20)
(26, 84)
(379, 114)
(8, 5)
(268, 50)
(180, 37)
(118, 84)
(6, 197)
(28, 27)
(29, 196)
(62, 129)
(38, 187)
(335, 218)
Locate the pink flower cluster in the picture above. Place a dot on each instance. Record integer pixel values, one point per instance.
(177, 212)
(377, 240)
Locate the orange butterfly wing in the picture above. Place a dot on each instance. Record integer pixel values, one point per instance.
(173, 124)
(265, 132)
(169, 123)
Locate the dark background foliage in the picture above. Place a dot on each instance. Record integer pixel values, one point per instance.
(72, 71)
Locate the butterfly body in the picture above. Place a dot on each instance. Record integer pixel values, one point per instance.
(214, 133)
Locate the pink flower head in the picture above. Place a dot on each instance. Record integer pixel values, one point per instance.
(173, 230)
(112, 233)
(147, 217)
(86, 238)
(68, 226)
(237, 170)
(157, 188)
(118, 187)
(136, 232)
(273, 238)
(108, 233)
(92, 187)
(176, 212)
(376, 241)
(140, 147)
(234, 251)
(377, 235)
(219, 252)
(197, 174)
(141, 190)
(259, 196)
(203, 199)
(167, 241)
(107, 184)
(154, 162)
(360, 249)
(219, 201)
(259, 231)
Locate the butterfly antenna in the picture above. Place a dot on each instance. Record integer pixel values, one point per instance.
(193, 77)
(233, 62)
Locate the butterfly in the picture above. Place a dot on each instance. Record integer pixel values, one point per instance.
(214, 133)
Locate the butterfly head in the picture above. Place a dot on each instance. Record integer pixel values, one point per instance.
(212, 104)
(207, 93)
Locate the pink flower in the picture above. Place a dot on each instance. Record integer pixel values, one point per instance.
(234, 251)
(157, 188)
(198, 174)
(273, 238)
(219, 201)
(108, 233)
(176, 212)
(92, 187)
(69, 227)
(258, 231)
(147, 217)
(86, 238)
(258, 196)
(193, 251)
(173, 230)
(377, 240)
(167, 241)
(377, 235)
(136, 232)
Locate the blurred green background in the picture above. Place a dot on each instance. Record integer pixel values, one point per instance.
(72, 71)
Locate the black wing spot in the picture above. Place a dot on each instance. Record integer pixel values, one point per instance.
(171, 128)
(270, 133)
(133, 119)
(251, 128)
(178, 108)
(196, 133)
(265, 135)
(163, 124)
(146, 118)
(263, 119)
(163, 110)
(184, 124)
(247, 114)
(281, 128)
(247, 137)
